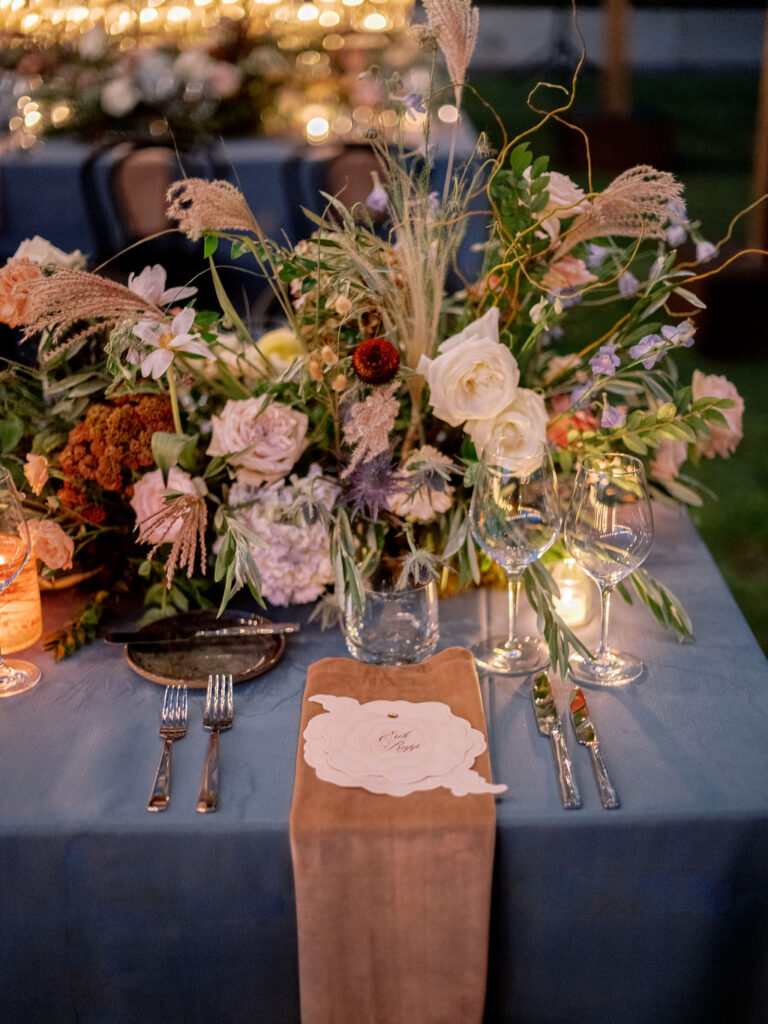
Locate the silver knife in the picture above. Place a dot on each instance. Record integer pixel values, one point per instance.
(549, 724)
(585, 733)
(185, 636)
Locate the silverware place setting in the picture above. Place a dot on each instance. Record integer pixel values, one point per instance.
(218, 716)
(173, 726)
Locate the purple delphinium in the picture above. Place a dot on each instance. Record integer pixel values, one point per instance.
(578, 393)
(377, 200)
(612, 417)
(679, 334)
(596, 255)
(371, 484)
(628, 284)
(678, 223)
(705, 251)
(605, 362)
(414, 104)
(651, 347)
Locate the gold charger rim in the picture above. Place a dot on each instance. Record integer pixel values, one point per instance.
(267, 651)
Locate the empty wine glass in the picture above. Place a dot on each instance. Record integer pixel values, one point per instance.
(15, 548)
(609, 531)
(514, 516)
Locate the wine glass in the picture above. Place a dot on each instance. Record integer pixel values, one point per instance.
(514, 516)
(609, 531)
(15, 549)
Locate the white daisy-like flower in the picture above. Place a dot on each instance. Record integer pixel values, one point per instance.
(168, 339)
(150, 285)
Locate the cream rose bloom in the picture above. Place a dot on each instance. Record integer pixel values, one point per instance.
(262, 440)
(424, 503)
(474, 376)
(51, 544)
(149, 499)
(40, 251)
(36, 472)
(722, 440)
(522, 426)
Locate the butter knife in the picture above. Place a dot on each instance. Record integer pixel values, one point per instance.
(549, 724)
(585, 733)
(185, 636)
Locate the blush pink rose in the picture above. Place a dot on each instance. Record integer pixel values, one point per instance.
(568, 272)
(149, 499)
(263, 441)
(51, 544)
(669, 457)
(722, 440)
(36, 472)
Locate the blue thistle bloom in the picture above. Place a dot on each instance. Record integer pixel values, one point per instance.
(371, 484)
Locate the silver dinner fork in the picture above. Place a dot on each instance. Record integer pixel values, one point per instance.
(217, 716)
(173, 726)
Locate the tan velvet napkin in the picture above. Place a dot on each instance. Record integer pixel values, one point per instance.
(392, 893)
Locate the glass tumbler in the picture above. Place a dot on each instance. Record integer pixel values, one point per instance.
(398, 624)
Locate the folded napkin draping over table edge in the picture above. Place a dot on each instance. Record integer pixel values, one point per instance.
(392, 893)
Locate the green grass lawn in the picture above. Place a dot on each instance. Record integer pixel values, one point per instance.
(706, 122)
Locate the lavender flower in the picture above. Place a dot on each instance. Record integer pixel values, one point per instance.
(628, 284)
(414, 104)
(605, 362)
(596, 255)
(651, 346)
(678, 223)
(705, 251)
(377, 200)
(679, 334)
(612, 417)
(579, 392)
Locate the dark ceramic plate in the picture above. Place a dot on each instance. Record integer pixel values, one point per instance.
(244, 658)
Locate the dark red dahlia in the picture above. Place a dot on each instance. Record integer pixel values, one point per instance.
(376, 361)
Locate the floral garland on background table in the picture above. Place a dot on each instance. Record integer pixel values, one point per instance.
(292, 462)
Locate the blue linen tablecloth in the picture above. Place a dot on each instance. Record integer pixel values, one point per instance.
(656, 912)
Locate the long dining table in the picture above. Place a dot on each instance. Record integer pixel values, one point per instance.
(655, 912)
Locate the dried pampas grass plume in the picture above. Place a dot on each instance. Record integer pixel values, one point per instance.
(634, 205)
(199, 205)
(69, 297)
(454, 24)
(189, 510)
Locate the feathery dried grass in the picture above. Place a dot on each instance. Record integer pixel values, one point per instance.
(190, 510)
(634, 205)
(368, 425)
(454, 24)
(199, 205)
(70, 297)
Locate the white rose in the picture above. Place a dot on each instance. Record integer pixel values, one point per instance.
(149, 499)
(474, 376)
(521, 427)
(262, 441)
(40, 251)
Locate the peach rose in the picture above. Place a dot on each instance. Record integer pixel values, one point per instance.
(669, 457)
(722, 440)
(568, 272)
(36, 472)
(149, 499)
(13, 302)
(51, 544)
(562, 422)
(262, 440)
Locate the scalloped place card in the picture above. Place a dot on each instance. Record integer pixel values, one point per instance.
(394, 746)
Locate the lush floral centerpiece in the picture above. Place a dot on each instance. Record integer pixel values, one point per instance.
(291, 463)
